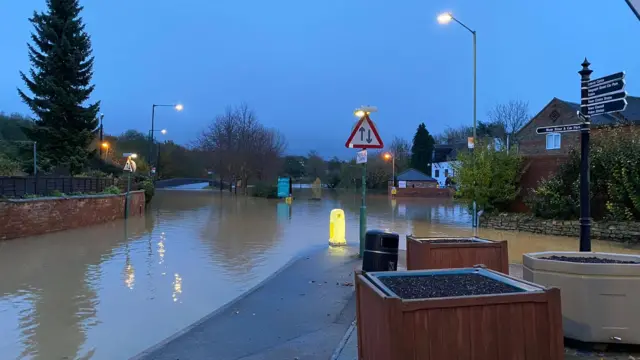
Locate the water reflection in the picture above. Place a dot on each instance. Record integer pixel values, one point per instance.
(96, 292)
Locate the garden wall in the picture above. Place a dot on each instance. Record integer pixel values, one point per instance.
(28, 217)
(614, 230)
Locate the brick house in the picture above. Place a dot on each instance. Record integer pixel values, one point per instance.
(560, 112)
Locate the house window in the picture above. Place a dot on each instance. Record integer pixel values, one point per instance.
(446, 172)
(553, 141)
(437, 173)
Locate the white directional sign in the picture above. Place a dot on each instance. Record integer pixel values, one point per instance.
(361, 157)
(364, 135)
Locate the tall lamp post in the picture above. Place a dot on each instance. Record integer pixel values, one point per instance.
(446, 18)
(101, 134)
(389, 156)
(178, 107)
(163, 132)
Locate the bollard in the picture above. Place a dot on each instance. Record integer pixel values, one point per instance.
(337, 228)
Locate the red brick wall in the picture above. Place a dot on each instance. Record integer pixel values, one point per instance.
(424, 192)
(39, 216)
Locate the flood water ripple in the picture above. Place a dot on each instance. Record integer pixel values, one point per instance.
(111, 291)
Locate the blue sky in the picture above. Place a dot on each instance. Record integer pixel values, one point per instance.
(305, 65)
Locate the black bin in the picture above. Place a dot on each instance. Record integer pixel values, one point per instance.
(380, 251)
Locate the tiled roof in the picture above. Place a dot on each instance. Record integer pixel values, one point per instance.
(414, 175)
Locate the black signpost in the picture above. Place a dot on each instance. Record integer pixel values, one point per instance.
(599, 96)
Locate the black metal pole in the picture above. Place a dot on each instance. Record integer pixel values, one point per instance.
(585, 200)
(153, 115)
(101, 135)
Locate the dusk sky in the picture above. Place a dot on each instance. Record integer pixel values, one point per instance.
(304, 66)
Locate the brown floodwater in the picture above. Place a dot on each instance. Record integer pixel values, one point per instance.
(111, 291)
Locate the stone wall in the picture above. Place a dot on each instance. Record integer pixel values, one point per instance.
(28, 217)
(615, 231)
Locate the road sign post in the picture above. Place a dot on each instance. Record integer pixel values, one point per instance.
(364, 136)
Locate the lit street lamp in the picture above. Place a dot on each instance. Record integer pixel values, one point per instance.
(177, 107)
(446, 18)
(388, 156)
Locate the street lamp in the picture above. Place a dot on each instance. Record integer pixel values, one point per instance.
(177, 107)
(101, 131)
(388, 156)
(446, 18)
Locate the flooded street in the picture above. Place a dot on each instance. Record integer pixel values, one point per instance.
(111, 291)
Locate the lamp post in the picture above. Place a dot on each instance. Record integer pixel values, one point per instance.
(101, 134)
(387, 156)
(446, 18)
(359, 113)
(163, 132)
(178, 107)
(104, 145)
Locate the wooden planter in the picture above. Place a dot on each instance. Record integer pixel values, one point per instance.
(432, 253)
(522, 325)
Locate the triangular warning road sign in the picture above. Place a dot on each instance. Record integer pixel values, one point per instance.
(127, 166)
(364, 135)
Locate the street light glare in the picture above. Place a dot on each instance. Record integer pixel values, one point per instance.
(133, 156)
(179, 107)
(359, 113)
(387, 156)
(445, 18)
(105, 145)
(163, 131)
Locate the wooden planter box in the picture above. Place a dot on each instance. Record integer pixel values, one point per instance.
(520, 325)
(436, 253)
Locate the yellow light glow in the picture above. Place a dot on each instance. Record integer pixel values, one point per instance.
(179, 107)
(387, 156)
(133, 156)
(445, 18)
(359, 113)
(177, 287)
(105, 145)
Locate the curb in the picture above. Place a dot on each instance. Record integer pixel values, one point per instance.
(230, 304)
(343, 342)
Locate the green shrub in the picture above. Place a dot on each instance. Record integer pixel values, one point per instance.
(56, 193)
(488, 176)
(149, 189)
(30, 196)
(265, 190)
(614, 180)
(112, 190)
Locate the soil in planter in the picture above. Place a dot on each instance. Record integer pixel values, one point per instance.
(451, 241)
(437, 286)
(588, 260)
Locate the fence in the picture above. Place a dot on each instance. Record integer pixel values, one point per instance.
(19, 186)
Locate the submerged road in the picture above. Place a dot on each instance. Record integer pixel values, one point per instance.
(301, 312)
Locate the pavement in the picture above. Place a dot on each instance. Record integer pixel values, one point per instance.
(301, 312)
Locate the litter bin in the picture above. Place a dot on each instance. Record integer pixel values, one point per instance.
(380, 251)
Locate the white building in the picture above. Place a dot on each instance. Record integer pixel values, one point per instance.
(441, 171)
(443, 159)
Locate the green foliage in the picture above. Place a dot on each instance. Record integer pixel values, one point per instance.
(614, 177)
(294, 166)
(422, 150)
(488, 176)
(114, 190)
(56, 193)
(8, 167)
(265, 190)
(59, 81)
(149, 189)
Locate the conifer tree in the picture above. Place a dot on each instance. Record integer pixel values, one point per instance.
(60, 83)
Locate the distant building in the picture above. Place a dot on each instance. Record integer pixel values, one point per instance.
(443, 159)
(413, 183)
(560, 112)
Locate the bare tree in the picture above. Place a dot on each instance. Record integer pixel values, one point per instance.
(512, 116)
(241, 148)
(454, 135)
(401, 150)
